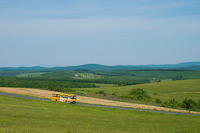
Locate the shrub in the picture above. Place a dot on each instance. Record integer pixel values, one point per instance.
(139, 94)
(158, 101)
(189, 104)
(199, 104)
(101, 92)
(173, 103)
(165, 104)
(113, 94)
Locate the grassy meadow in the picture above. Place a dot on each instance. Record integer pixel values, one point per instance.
(25, 115)
(178, 90)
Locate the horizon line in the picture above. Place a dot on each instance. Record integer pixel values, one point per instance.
(98, 64)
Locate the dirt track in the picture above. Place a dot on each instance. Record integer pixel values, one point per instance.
(89, 100)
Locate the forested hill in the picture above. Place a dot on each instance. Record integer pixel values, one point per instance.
(97, 67)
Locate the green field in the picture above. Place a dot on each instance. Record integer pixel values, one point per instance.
(178, 90)
(25, 115)
(105, 85)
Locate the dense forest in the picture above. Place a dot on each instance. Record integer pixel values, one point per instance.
(42, 83)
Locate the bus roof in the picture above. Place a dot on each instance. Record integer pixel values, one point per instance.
(56, 93)
(65, 94)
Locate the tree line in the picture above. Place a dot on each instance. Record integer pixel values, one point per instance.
(42, 83)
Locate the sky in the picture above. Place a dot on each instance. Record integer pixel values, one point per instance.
(53, 33)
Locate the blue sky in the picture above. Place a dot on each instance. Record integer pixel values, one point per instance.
(108, 32)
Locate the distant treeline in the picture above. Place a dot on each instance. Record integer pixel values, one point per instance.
(118, 77)
(110, 81)
(42, 83)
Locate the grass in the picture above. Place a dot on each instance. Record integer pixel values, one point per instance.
(105, 85)
(163, 90)
(24, 115)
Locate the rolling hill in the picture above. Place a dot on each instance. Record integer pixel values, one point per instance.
(97, 67)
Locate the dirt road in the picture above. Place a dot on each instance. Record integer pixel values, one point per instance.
(89, 100)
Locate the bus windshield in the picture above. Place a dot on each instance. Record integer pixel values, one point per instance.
(73, 97)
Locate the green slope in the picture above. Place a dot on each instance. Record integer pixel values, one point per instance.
(24, 115)
(179, 90)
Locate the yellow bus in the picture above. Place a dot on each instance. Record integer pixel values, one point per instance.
(55, 97)
(67, 98)
(71, 98)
